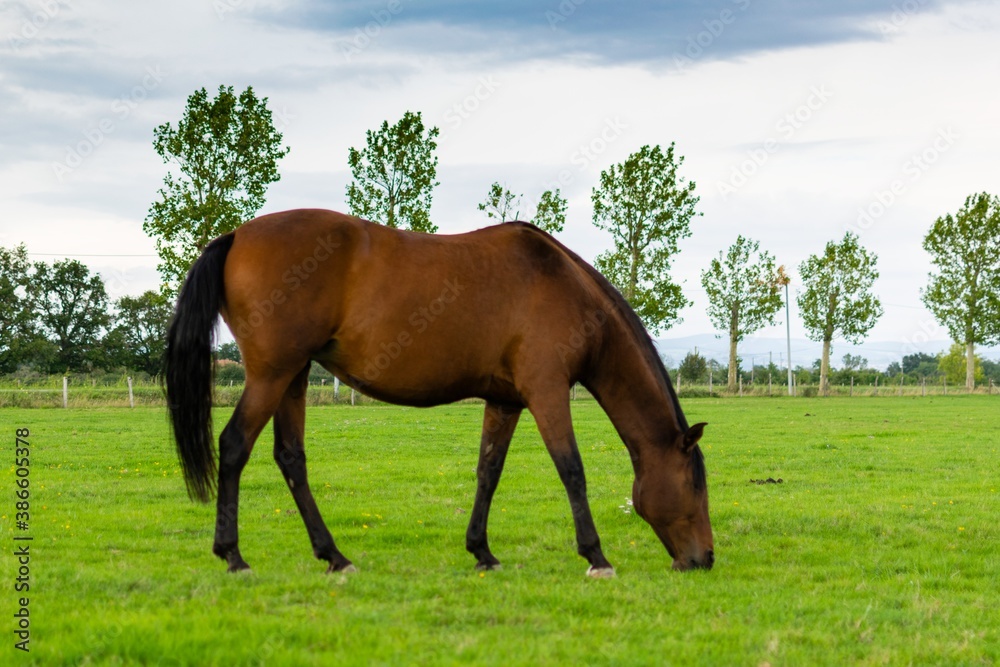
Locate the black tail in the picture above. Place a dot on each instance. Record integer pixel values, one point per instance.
(189, 368)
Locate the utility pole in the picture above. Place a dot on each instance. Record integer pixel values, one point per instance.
(788, 327)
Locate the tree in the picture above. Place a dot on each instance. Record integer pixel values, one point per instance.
(964, 292)
(229, 351)
(693, 367)
(501, 204)
(744, 294)
(15, 315)
(837, 300)
(647, 207)
(394, 175)
(953, 366)
(227, 153)
(854, 362)
(230, 372)
(550, 214)
(72, 309)
(913, 362)
(991, 370)
(138, 338)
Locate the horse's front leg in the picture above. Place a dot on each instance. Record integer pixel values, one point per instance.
(552, 413)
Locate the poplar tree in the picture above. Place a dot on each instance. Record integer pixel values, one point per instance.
(837, 301)
(963, 292)
(503, 205)
(744, 294)
(394, 175)
(226, 151)
(647, 207)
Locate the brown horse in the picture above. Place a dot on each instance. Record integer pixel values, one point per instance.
(506, 313)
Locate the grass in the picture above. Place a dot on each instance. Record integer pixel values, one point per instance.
(878, 547)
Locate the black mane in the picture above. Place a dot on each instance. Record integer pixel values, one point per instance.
(648, 348)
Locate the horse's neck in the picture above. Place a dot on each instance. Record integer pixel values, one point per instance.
(635, 397)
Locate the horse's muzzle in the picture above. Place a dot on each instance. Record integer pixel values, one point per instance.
(704, 563)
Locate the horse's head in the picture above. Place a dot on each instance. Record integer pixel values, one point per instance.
(671, 494)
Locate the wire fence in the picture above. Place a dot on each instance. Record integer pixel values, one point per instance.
(88, 393)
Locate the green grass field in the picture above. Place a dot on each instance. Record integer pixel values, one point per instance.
(879, 547)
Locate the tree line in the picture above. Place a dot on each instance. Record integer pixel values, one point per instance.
(225, 151)
(914, 369)
(57, 318)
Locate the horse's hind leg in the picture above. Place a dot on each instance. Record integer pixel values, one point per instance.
(498, 428)
(258, 403)
(289, 453)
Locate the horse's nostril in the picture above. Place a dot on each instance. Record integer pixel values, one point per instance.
(709, 558)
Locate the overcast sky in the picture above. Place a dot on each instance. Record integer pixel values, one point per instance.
(797, 121)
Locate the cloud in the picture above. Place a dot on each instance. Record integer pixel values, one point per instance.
(605, 31)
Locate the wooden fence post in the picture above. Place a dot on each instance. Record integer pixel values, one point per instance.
(131, 396)
(65, 392)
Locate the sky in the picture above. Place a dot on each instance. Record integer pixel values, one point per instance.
(798, 121)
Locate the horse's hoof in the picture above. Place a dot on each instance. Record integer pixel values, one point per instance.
(235, 562)
(347, 569)
(487, 567)
(601, 572)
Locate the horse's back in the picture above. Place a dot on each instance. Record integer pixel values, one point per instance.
(389, 310)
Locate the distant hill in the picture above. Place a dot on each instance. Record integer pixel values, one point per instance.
(804, 352)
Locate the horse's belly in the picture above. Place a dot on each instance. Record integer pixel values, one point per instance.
(409, 375)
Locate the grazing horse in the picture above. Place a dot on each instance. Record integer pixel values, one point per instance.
(507, 314)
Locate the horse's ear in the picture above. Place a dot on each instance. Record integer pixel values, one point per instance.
(693, 435)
